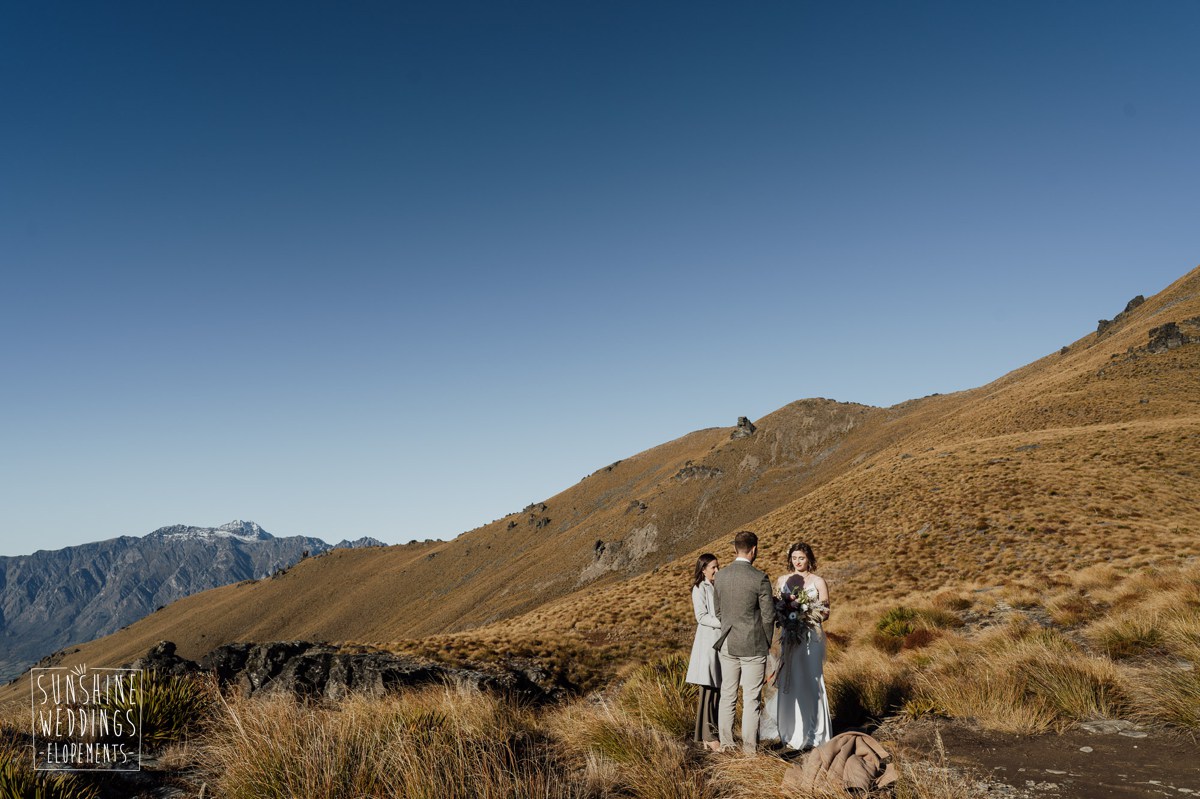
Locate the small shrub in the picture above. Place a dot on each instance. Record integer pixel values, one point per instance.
(897, 622)
(909, 628)
(1025, 680)
(451, 743)
(939, 619)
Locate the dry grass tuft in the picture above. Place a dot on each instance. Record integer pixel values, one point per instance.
(733, 775)
(1128, 636)
(445, 742)
(620, 754)
(865, 683)
(658, 695)
(1022, 680)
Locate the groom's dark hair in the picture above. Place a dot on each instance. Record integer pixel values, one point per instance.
(744, 541)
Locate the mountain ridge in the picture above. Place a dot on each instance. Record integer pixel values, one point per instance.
(55, 598)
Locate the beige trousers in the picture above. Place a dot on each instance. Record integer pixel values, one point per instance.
(749, 674)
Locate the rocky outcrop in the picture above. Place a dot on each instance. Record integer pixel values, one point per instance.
(694, 472)
(1104, 325)
(745, 428)
(618, 555)
(1167, 337)
(319, 671)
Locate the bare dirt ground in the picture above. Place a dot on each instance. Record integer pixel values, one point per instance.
(1105, 759)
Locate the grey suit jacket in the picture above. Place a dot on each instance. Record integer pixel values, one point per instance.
(742, 596)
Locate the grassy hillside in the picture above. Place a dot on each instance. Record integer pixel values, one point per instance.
(1085, 456)
(624, 519)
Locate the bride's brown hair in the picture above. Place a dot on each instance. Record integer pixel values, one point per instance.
(801, 546)
(702, 564)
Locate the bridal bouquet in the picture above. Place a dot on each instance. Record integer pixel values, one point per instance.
(797, 613)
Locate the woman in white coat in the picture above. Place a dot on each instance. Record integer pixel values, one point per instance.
(704, 669)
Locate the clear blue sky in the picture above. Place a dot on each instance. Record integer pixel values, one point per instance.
(398, 269)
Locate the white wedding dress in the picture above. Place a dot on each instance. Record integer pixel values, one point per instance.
(798, 713)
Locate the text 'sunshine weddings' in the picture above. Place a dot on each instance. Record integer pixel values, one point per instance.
(86, 719)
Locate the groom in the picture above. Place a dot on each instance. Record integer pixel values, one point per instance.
(743, 603)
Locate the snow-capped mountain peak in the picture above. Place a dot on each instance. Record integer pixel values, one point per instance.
(246, 531)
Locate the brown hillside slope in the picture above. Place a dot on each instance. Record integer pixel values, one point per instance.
(1086, 456)
(1080, 457)
(619, 521)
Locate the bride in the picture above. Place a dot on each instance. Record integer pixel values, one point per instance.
(801, 709)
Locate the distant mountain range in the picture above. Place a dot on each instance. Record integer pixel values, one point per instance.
(52, 599)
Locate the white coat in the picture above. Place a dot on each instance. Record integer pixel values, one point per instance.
(704, 668)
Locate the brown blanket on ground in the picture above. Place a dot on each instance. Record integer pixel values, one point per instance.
(852, 760)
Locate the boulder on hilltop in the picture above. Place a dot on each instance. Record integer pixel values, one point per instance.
(744, 429)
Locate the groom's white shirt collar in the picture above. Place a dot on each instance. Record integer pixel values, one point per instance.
(739, 557)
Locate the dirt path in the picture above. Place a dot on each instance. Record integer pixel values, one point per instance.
(1107, 760)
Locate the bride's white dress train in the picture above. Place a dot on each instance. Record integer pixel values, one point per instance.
(798, 713)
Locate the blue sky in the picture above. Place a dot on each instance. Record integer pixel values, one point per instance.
(396, 270)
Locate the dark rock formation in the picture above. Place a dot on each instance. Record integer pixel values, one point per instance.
(1107, 324)
(1167, 337)
(693, 472)
(744, 429)
(319, 671)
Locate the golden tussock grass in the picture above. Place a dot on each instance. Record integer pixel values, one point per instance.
(438, 742)
(616, 753)
(866, 683)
